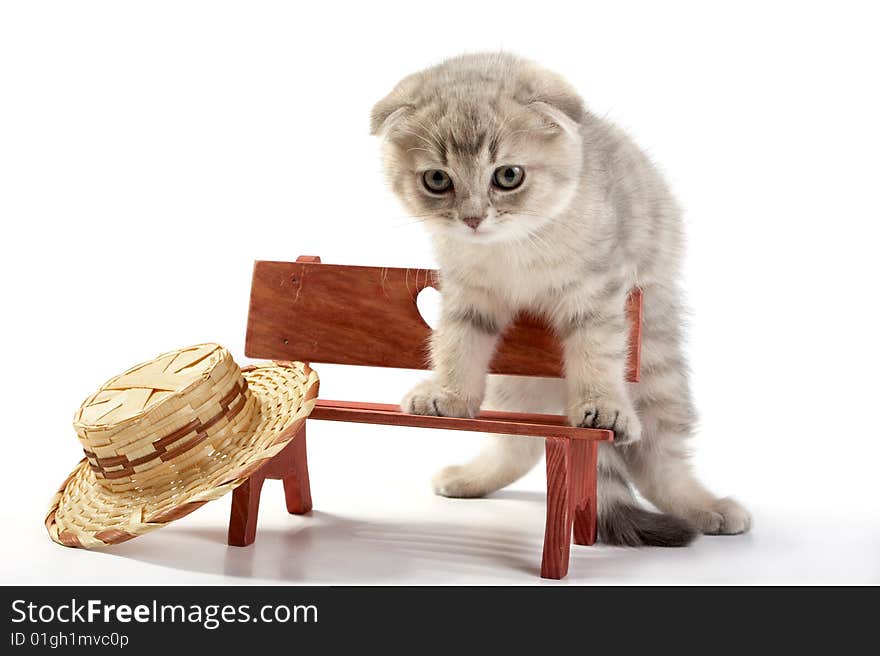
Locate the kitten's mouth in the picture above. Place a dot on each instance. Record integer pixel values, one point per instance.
(482, 235)
(476, 232)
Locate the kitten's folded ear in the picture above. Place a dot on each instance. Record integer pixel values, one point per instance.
(393, 107)
(551, 95)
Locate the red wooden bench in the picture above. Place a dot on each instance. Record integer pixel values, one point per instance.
(358, 315)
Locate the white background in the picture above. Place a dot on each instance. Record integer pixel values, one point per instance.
(149, 152)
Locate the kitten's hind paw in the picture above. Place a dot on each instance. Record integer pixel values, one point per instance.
(617, 417)
(724, 517)
(429, 398)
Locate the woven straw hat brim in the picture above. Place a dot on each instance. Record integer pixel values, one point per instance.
(85, 514)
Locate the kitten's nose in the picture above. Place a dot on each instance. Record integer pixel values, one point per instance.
(473, 221)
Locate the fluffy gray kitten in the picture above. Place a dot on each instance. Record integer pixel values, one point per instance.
(536, 205)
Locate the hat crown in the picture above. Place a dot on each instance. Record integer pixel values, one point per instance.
(138, 423)
(133, 393)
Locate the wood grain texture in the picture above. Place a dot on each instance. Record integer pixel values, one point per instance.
(557, 528)
(634, 317)
(584, 456)
(508, 423)
(360, 315)
(338, 314)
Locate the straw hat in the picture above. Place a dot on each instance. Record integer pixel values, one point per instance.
(169, 435)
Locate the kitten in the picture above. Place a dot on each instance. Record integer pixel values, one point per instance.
(534, 204)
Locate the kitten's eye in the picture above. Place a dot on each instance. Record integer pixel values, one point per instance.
(437, 181)
(508, 177)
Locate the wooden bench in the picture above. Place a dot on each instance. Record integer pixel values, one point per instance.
(358, 315)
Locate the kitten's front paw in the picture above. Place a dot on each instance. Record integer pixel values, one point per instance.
(618, 417)
(429, 398)
(458, 483)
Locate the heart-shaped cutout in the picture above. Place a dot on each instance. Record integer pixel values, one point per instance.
(428, 302)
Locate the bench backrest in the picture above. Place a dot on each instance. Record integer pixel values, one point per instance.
(359, 315)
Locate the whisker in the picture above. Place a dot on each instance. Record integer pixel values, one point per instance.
(407, 223)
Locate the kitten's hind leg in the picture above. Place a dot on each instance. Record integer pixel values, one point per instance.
(502, 461)
(505, 458)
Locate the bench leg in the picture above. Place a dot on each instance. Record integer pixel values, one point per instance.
(584, 456)
(297, 491)
(291, 466)
(557, 529)
(245, 507)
